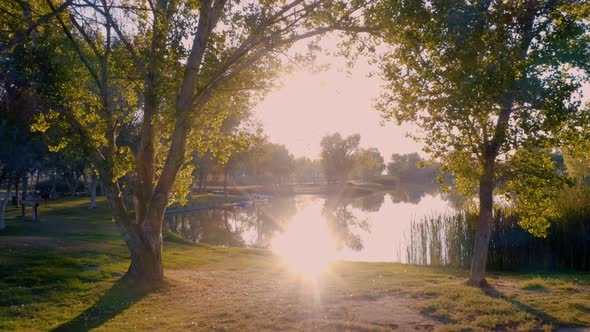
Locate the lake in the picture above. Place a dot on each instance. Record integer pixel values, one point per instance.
(369, 227)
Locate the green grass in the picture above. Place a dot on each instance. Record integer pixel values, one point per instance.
(471, 308)
(535, 284)
(209, 199)
(205, 199)
(310, 189)
(64, 273)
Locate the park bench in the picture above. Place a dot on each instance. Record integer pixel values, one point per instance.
(34, 205)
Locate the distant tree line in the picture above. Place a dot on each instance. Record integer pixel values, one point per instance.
(411, 168)
(341, 159)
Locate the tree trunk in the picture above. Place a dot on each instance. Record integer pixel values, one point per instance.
(202, 181)
(3, 204)
(484, 225)
(25, 188)
(145, 247)
(15, 202)
(194, 177)
(203, 172)
(225, 171)
(92, 189)
(143, 240)
(74, 184)
(53, 183)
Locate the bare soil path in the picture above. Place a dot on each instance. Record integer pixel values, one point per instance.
(211, 300)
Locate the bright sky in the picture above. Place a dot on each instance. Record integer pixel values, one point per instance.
(311, 105)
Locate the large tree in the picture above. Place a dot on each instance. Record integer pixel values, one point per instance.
(173, 69)
(368, 163)
(411, 168)
(308, 170)
(23, 78)
(337, 155)
(491, 85)
(269, 163)
(577, 160)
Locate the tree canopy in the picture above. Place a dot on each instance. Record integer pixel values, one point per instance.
(368, 164)
(337, 155)
(140, 86)
(487, 82)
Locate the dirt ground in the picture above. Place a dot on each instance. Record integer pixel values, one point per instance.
(226, 300)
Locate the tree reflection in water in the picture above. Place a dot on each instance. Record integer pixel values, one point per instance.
(413, 192)
(342, 221)
(250, 226)
(347, 215)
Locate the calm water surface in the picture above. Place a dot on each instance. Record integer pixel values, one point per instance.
(359, 228)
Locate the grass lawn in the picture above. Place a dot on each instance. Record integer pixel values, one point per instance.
(304, 189)
(207, 198)
(64, 274)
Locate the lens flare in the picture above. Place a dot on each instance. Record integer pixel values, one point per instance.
(306, 245)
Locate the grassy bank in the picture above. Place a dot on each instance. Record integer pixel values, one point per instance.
(351, 187)
(64, 273)
(209, 199)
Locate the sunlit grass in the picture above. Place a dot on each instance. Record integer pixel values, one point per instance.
(535, 284)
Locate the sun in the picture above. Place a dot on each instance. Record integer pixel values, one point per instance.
(306, 245)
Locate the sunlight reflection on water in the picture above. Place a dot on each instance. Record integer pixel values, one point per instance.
(310, 231)
(307, 246)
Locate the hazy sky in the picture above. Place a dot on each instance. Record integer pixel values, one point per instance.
(311, 105)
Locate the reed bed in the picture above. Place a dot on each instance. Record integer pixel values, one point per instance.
(447, 239)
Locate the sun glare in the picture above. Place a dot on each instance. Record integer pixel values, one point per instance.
(328, 102)
(306, 245)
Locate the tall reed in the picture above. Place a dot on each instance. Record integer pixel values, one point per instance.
(448, 240)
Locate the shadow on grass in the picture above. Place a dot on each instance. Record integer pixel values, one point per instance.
(541, 315)
(121, 296)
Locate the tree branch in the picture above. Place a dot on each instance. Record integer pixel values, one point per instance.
(136, 60)
(77, 48)
(42, 20)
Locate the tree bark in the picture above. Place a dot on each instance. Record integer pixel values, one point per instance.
(25, 181)
(148, 260)
(144, 241)
(145, 247)
(53, 183)
(484, 224)
(486, 196)
(225, 174)
(75, 183)
(16, 192)
(93, 184)
(4, 203)
(203, 172)
(202, 183)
